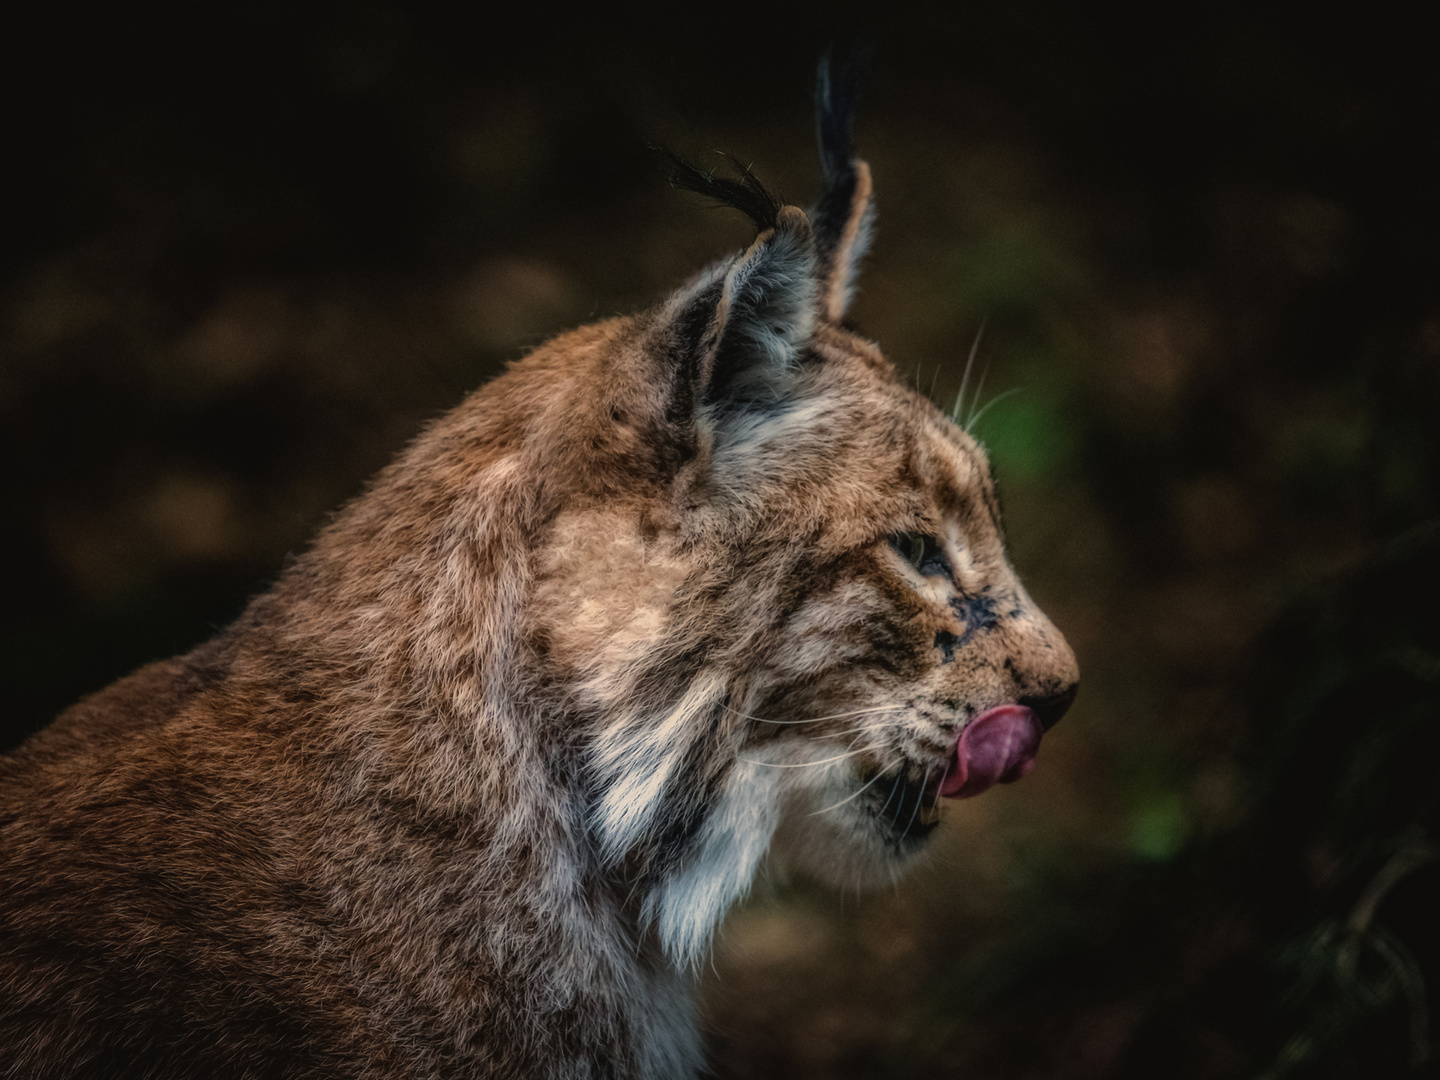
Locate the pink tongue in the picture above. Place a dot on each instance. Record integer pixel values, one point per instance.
(997, 747)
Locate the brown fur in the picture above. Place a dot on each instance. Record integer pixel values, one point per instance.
(466, 791)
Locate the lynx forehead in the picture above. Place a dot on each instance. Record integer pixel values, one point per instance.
(467, 792)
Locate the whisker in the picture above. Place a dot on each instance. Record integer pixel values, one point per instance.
(919, 798)
(857, 731)
(979, 391)
(860, 730)
(893, 788)
(819, 719)
(853, 795)
(803, 764)
(990, 405)
(965, 378)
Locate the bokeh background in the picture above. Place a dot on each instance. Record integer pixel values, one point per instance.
(248, 249)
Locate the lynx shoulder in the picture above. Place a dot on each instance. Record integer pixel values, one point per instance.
(466, 793)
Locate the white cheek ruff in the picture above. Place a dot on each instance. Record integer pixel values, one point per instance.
(686, 908)
(635, 757)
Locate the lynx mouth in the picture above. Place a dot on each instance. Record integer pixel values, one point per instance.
(907, 806)
(997, 747)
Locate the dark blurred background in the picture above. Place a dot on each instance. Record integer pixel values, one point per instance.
(248, 250)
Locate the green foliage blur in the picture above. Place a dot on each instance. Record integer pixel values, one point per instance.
(248, 251)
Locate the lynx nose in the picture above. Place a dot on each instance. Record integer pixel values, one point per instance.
(1052, 707)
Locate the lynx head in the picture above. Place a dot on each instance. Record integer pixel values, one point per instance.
(774, 594)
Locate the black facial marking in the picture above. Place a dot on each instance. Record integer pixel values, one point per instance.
(974, 613)
(944, 639)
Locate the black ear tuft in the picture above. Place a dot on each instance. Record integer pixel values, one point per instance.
(843, 215)
(746, 194)
(835, 96)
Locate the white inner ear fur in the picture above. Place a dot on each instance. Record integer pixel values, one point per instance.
(769, 296)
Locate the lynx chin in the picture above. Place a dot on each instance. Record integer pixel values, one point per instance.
(467, 791)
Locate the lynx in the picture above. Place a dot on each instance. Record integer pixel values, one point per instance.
(466, 793)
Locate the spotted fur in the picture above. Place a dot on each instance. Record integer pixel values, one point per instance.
(466, 793)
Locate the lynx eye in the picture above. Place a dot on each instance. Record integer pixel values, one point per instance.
(921, 552)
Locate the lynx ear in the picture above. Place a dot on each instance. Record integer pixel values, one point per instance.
(744, 323)
(844, 215)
